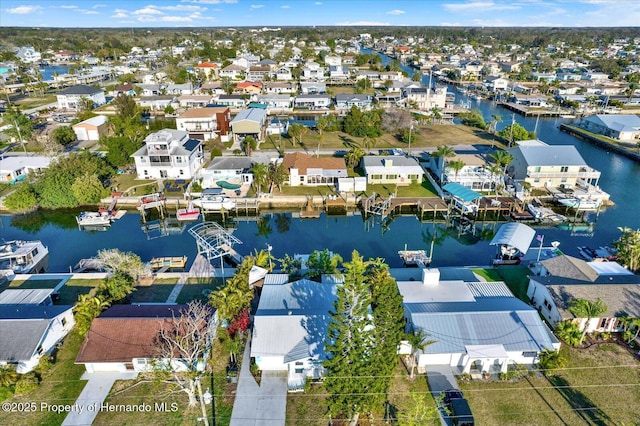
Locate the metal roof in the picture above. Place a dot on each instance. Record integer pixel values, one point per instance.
(33, 296)
(514, 234)
(252, 114)
(549, 155)
(462, 192)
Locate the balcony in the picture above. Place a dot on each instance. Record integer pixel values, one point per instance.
(583, 174)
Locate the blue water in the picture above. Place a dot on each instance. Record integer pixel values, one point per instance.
(47, 72)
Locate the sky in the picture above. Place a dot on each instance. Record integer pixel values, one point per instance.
(235, 13)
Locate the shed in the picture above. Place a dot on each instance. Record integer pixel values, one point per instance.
(91, 129)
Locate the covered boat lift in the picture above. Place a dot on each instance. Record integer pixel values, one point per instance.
(514, 240)
(464, 199)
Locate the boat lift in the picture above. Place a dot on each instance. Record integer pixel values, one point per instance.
(214, 241)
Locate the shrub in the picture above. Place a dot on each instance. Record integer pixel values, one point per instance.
(27, 383)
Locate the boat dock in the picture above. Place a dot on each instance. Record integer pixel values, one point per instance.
(164, 264)
(414, 257)
(528, 112)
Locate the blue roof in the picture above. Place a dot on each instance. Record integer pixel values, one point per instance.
(16, 312)
(191, 144)
(462, 192)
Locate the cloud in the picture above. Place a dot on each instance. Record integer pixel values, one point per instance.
(88, 12)
(95, 6)
(483, 6)
(362, 24)
(182, 7)
(256, 6)
(209, 1)
(318, 3)
(396, 12)
(24, 10)
(285, 6)
(149, 10)
(120, 13)
(64, 6)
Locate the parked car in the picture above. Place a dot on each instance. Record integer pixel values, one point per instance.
(460, 412)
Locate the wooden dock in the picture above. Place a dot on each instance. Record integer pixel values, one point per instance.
(529, 112)
(163, 264)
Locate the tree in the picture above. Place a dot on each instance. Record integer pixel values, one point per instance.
(64, 135)
(86, 309)
(360, 124)
(260, 175)
(249, 144)
(186, 338)
(409, 135)
(502, 159)
(551, 360)
(496, 118)
(295, 131)
(353, 157)
(628, 246)
(515, 132)
(443, 152)
(456, 166)
(583, 308)
(235, 296)
(322, 262)
(117, 287)
(21, 126)
(569, 332)
(418, 341)
(115, 261)
(473, 118)
(87, 189)
(395, 119)
(23, 198)
(421, 412)
(8, 375)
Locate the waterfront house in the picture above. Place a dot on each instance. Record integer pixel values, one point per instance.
(168, 154)
(476, 327)
(28, 55)
(290, 326)
(474, 174)
(549, 166)
(339, 72)
(259, 72)
(346, 101)
(29, 331)
(91, 129)
(16, 168)
(305, 170)
(179, 89)
(250, 122)
(312, 71)
(157, 103)
(277, 87)
(78, 97)
(496, 83)
(194, 101)
(232, 101)
(281, 102)
(233, 71)
(234, 170)
(624, 127)
(426, 99)
(561, 279)
(391, 169)
(151, 89)
(312, 87)
(124, 338)
(125, 89)
(312, 102)
(206, 123)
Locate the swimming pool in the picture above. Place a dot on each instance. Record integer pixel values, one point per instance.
(226, 185)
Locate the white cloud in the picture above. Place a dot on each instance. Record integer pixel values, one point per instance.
(257, 6)
(395, 12)
(95, 6)
(88, 12)
(182, 7)
(362, 24)
(64, 6)
(149, 10)
(120, 13)
(483, 6)
(24, 10)
(285, 6)
(209, 1)
(318, 3)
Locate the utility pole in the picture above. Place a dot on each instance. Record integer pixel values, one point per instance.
(410, 129)
(513, 121)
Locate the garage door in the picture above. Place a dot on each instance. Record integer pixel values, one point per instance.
(81, 133)
(94, 135)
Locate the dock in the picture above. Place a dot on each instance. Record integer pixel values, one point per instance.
(529, 112)
(414, 257)
(163, 264)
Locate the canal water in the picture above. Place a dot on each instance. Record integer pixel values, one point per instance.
(48, 71)
(343, 234)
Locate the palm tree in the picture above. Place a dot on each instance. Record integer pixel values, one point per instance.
(583, 308)
(456, 166)
(569, 333)
(502, 159)
(497, 118)
(628, 246)
(260, 173)
(353, 156)
(443, 152)
(418, 341)
(436, 115)
(495, 170)
(8, 376)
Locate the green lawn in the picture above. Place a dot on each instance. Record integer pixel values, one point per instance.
(151, 294)
(60, 385)
(516, 279)
(73, 288)
(127, 181)
(33, 101)
(198, 289)
(577, 395)
(34, 282)
(490, 275)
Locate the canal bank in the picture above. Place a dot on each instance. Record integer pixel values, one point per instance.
(601, 141)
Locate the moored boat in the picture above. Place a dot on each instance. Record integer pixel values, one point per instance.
(213, 199)
(189, 213)
(580, 204)
(23, 257)
(94, 219)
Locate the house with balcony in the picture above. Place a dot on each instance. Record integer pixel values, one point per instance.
(259, 72)
(206, 123)
(550, 166)
(250, 122)
(346, 101)
(278, 87)
(495, 83)
(312, 102)
(302, 308)
(235, 170)
(233, 72)
(426, 99)
(478, 328)
(278, 102)
(168, 154)
(28, 55)
(312, 71)
(232, 101)
(561, 279)
(194, 101)
(209, 69)
(284, 74)
(339, 72)
(306, 170)
(77, 97)
(474, 174)
(391, 169)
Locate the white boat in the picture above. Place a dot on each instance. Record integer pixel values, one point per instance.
(536, 211)
(580, 204)
(23, 257)
(93, 219)
(189, 213)
(215, 202)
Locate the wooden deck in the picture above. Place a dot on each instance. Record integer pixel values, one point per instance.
(163, 264)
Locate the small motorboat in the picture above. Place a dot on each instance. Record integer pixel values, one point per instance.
(580, 204)
(94, 219)
(189, 213)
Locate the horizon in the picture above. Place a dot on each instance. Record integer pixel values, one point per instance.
(147, 14)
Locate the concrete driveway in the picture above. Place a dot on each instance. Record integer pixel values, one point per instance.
(92, 396)
(259, 405)
(441, 378)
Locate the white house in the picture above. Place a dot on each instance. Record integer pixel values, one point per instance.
(496, 83)
(280, 102)
(391, 169)
(474, 174)
(28, 54)
(312, 102)
(426, 99)
(477, 327)
(75, 96)
(27, 332)
(624, 127)
(168, 154)
(290, 326)
(123, 338)
(346, 101)
(312, 87)
(15, 168)
(91, 129)
(235, 170)
(562, 279)
(306, 170)
(312, 71)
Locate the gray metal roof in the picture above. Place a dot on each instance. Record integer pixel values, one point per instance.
(230, 163)
(549, 155)
(514, 234)
(252, 114)
(19, 339)
(619, 122)
(377, 164)
(80, 89)
(302, 297)
(34, 296)
(29, 312)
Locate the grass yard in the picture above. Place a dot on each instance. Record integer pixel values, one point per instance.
(156, 293)
(127, 181)
(424, 189)
(599, 386)
(516, 279)
(34, 282)
(60, 385)
(198, 289)
(33, 102)
(490, 275)
(73, 288)
(307, 408)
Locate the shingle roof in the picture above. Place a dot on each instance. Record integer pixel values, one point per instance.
(19, 339)
(303, 162)
(202, 112)
(570, 267)
(619, 298)
(80, 90)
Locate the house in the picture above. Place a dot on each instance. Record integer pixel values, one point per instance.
(330, 60)
(168, 154)
(284, 74)
(302, 308)
(476, 327)
(310, 88)
(125, 89)
(391, 169)
(151, 89)
(305, 170)
(346, 101)
(624, 127)
(426, 99)
(562, 279)
(249, 122)
(232, 101)
(258, 72)
(209, 69)
(338, 72)
(32, 296)
(16, 168)
(157, 103)
(276, 102)
(248, 88)
(194, 101)
(495, 83)
(233, 71)
(124, 338)
(28, 332)
(510, 67)
(312, 102)
(206, 123)
(28, 55)
(231, 169)
(277, 87)
(312, 71)
(78, 97)
(545, 165)
(179, 89)
(178, 50)
(91, 129)
(474, 174)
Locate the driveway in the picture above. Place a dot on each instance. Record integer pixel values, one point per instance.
(92, 397)
(441, 378)
(259, 405)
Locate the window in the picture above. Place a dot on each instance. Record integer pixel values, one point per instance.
(563, 180)
(299, 370)
(143, 159)
(536, 169)
(146, 173)
(64, 322)
(564, 169)
(376, 177)
(536, 180)
(142, 361)
(178, 159)
(181, 172)
(547, 304)
(529, 354)
(391, 177)
(604, 322)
